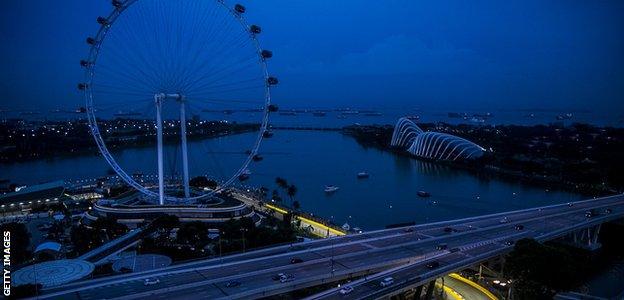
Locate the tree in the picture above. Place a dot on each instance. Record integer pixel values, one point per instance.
(281, 182)
(541, 270)
(296, 205)
(166, 222)
(291, 191)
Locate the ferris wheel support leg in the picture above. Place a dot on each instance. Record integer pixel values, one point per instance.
(159, 135)
(185, 173)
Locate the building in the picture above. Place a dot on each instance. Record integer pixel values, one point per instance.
(24, 198)
(433, 145)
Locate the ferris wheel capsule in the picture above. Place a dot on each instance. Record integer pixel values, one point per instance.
(272, 81)
(266, 54)
(117, 3)
(239, 8)
(255, 29)
(272, 108)
(103, 21)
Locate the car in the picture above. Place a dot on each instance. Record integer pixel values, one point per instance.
(519, 227)
(570, 204)
(504, 220)
(278, 276)
(448, 229)
(442, 246)
(386, 282)
(232, 283)
(608, 211)
(346, 290)
(509, 243)
(286, 278)
(408, 230)
(151, 281)
(454, 250)
(296, 260)
(432, 265)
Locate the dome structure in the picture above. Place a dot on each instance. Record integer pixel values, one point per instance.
(433, 145)
(405, 131)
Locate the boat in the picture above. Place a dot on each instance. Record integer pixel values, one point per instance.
(423, 194)
(363, 175)
(331, 189)
(125, 113)
(319, 113)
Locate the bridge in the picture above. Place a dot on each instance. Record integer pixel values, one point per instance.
(403, 253)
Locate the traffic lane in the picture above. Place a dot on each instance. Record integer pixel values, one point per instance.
(138, 286)
(372, 286)
(257, 282)
(172, 280)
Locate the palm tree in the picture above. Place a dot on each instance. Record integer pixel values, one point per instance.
(281, 182)
(291, 191)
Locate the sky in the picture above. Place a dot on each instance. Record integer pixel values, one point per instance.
(477, 55)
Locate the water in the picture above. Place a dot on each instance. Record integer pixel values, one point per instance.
(313, 159)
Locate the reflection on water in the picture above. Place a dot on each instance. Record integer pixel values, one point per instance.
(313, 159)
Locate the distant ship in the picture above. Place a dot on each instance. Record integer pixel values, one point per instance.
(362, 175)
(331, 189)
(413, 118)
(319, 113)
(423, 194)
(126, 114)
(564, 116)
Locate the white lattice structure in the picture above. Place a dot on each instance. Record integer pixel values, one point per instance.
(433, 145)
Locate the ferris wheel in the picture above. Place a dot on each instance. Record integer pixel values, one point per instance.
(172, 57)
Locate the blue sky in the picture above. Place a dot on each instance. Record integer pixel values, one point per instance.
(393, 53)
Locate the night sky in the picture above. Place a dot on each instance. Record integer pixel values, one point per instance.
(371, 54)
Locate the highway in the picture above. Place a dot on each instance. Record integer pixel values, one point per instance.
(403, 253)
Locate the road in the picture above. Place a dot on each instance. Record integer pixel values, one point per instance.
(403, 251)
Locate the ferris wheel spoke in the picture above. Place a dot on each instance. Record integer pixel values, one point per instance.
(209, 77)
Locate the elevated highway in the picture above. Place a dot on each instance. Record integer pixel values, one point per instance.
(402, 253)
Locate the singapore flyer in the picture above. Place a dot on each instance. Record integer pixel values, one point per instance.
(165, 64)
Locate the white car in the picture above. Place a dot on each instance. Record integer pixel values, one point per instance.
(286, 278)
(151, 281)
(386, 282)
(346, 290)
(504, 220)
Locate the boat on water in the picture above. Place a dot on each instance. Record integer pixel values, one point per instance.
(363, 175)
(126, 113)
(423, 194)
(331, 189)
